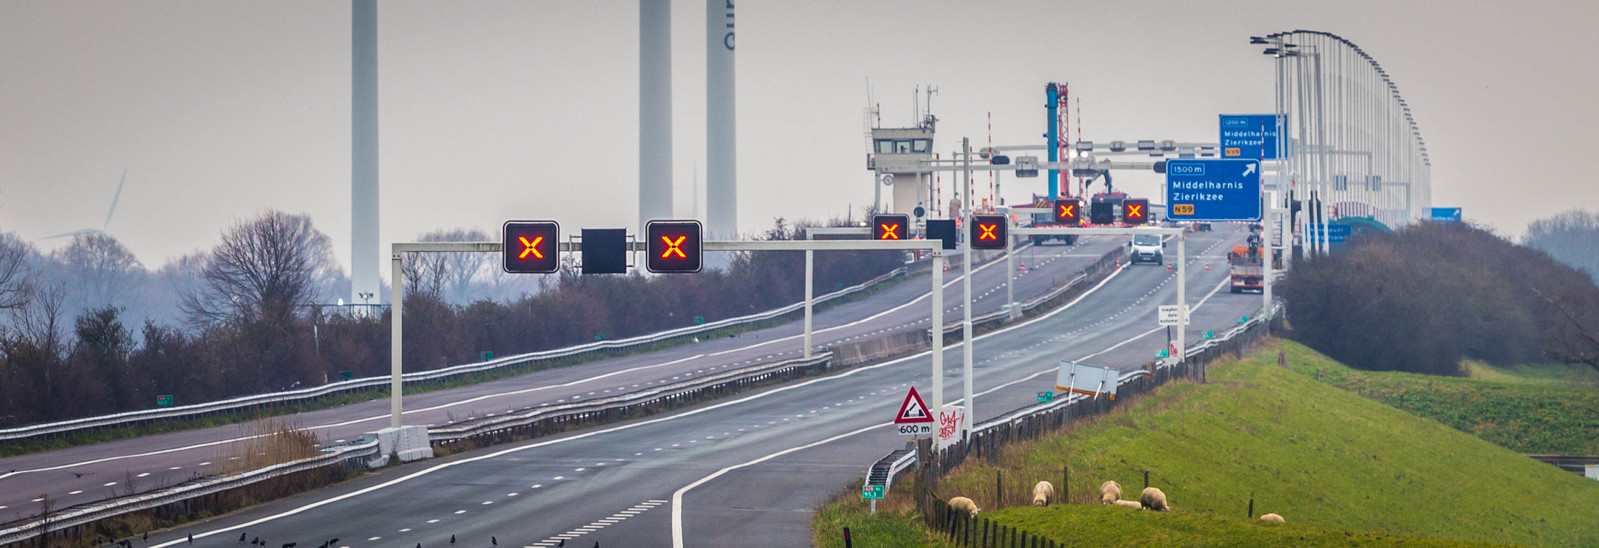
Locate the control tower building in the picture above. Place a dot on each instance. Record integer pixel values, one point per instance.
(899, 160)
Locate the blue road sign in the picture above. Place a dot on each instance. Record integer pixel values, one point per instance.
(1446, 214)
(1250, 136)
(1213, 190)
(1337, 233)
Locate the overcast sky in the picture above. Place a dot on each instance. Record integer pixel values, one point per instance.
(498, 110)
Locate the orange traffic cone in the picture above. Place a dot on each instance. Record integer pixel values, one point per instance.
(1168, 266)
(1207, 266)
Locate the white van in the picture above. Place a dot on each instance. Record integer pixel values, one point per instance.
(1147, 248)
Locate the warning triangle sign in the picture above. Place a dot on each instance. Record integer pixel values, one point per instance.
(913, 410)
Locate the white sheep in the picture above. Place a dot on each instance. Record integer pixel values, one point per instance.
(1110, 492)
(963, 503)
(1272, 517)
(1042, 492)
(1128, 504)
(1153, 499)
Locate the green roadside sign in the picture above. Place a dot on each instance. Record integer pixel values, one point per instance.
(1163, 353)
(699, 320)
(164, 400)
(346, 375)
(871, 491)
(1046, 396)
(1210, 334)
(485, 355)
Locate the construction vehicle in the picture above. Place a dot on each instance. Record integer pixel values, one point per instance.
(1246, 266)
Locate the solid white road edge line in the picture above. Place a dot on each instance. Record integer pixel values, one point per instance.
(690, 413)
(677, 497)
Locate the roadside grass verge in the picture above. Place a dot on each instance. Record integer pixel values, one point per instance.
(1344, 470)
(1527, 409)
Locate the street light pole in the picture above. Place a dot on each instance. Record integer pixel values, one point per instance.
(966, 282)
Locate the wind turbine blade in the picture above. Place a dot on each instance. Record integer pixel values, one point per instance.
(114, 200)
(71, 234)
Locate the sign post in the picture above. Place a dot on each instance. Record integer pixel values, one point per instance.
(1213, 190)
(1250, 136)
(913, 418)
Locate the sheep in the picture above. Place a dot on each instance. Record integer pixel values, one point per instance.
(1128, 504)
(1042, 492)
(1153, 499)
(963, 503)
(1110, 492)
(1273, 517)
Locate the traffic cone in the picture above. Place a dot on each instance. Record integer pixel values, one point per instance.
(1168, 266)
(1207, 266)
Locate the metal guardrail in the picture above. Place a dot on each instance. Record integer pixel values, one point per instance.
(1123, 379)
(89, 513)
(339, 455)
(502, 423)
(418, 377)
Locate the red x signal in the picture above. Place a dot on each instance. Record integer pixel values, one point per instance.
(1135, 211)
(522, 247)
(890, 231)
(988, 232)
(673, 247)
(1068, 210)
(530, 248)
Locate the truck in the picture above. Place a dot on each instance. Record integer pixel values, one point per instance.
(1246, 267)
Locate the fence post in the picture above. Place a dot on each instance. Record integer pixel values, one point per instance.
(1146, 479)
(999, 489)
(1251, 506)
(847, 542)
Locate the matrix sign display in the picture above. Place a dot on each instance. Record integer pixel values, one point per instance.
(1068, 211)
(531, 247)
(988, 232)
(891, 227)
(674, 246)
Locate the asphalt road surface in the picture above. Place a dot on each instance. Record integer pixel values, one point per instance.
(746, 471)
(88, 473)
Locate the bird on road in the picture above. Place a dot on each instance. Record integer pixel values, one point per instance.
(241, 538)
(452, 540)
(493, 540)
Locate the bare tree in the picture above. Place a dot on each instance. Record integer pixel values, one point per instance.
(1576, 337)
(14, 259)
(101, 271)
(424, 273)
(457, 271)
(1571, 237)
(264, 269)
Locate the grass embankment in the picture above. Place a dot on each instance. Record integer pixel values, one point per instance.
(1341, 468)
(1530, 409)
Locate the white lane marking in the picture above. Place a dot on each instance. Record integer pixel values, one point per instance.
(459, 512)
(433, 521)
(405, 530)
(350, 422)
(75, 493)
(692, 412)
(595, 525)
(815, 332)
(677, 497)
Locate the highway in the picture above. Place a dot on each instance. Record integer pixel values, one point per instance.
(87, 473)
(740, 472)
